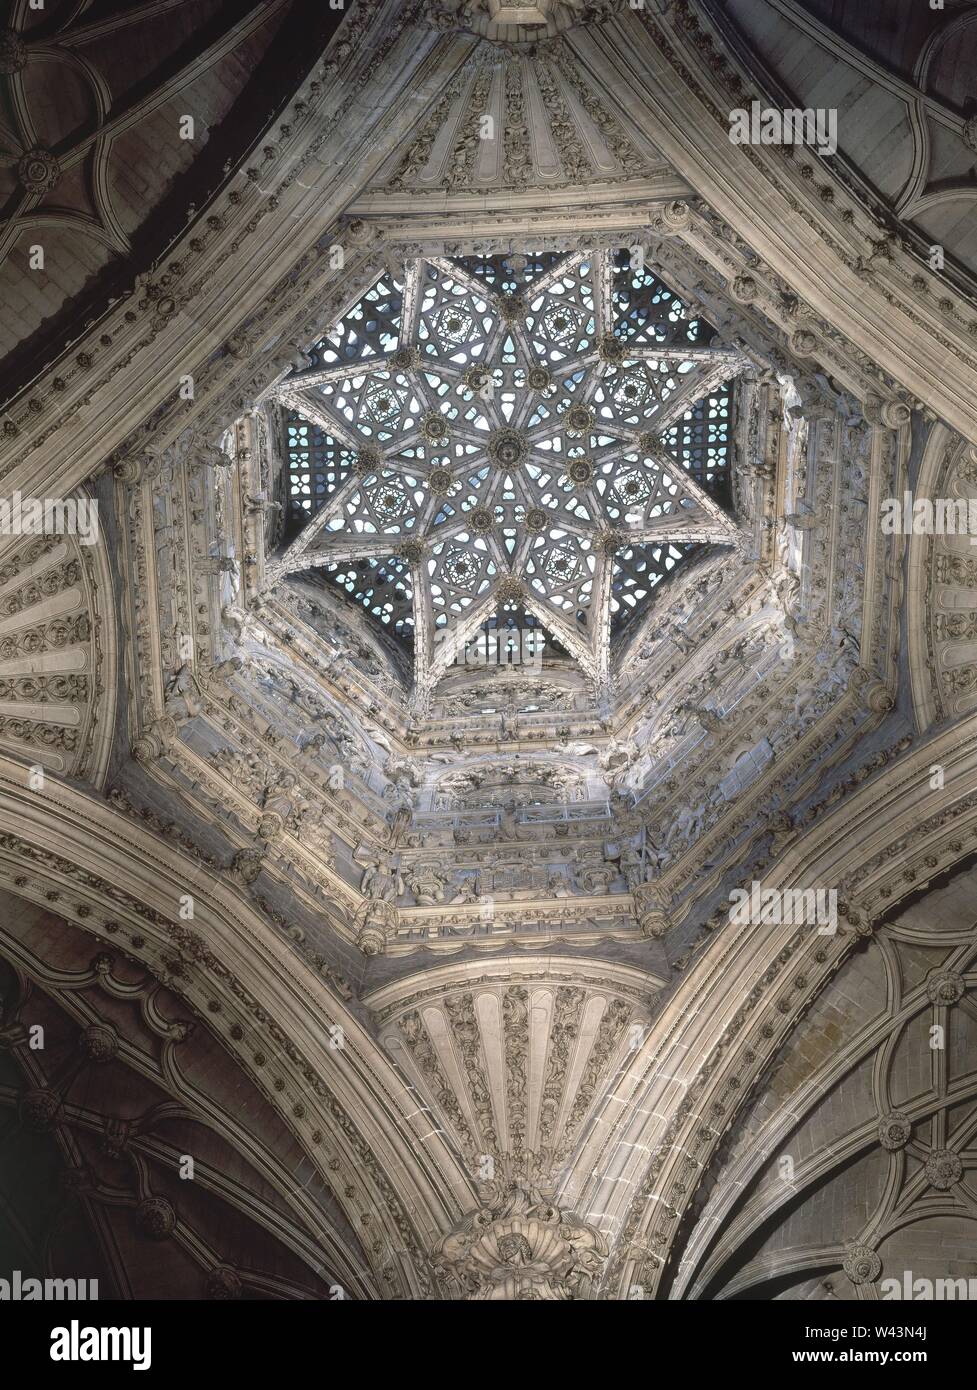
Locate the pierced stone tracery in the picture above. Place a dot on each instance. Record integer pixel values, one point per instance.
(555, 421)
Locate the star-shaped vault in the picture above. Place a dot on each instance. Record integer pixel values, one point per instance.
(502, 438)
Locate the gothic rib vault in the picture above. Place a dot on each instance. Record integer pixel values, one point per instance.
(509, 435)
(460, 929)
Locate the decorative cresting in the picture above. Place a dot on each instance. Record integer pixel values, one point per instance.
(57, 655)
(520, 1246)
(556, 419)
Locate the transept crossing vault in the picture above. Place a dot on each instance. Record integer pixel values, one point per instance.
(492, 793)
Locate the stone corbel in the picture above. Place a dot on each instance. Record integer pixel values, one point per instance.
(672, 219)
(155, 740)
(651, 908)
(362, 234)
(128, 471)
(376, 923)
(890, 413)
(872, 691)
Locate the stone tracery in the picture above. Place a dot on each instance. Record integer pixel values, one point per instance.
(520, 878)
(514, 439)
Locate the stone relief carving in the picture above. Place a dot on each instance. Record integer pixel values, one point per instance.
(521, 1247)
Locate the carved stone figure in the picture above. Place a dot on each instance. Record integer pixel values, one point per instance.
(183, 684)
(381, 874)
(594, 874)
(427, 883)
(468, 890)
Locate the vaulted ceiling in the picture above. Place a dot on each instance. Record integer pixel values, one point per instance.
(429, 963)
(118, 124)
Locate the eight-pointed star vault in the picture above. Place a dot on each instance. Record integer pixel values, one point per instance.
(501, 431)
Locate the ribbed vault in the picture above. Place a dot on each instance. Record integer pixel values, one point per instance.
(430, 964)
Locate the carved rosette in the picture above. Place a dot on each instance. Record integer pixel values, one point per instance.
(507, 448)
(368, 460)
(412, 551)
(510, 589)
(406, 359)
(578, 419)
(945, 987)
(862, 1264)
(38, 171)
(612, 349)
(224, 1284)
(439, 481)
(894, 1131)
(521, 1248)
(944, 1168)
(434, 427)
(40, 1110)
(157, 1217)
